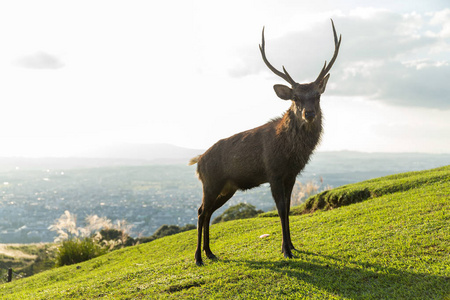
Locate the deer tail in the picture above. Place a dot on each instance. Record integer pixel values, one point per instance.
(194, 160)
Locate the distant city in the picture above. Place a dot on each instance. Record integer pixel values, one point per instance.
(149, 193)
(146, 197)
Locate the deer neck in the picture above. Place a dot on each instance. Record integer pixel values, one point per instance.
(292, 121)
(298, 132)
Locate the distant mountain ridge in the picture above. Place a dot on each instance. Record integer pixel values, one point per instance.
(128, 154)
(123, 154)
(150, 152)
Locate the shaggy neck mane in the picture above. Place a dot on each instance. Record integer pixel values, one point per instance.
(292, 122)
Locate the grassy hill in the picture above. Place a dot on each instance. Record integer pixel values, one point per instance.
(393, 244)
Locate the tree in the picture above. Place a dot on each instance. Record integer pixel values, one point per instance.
(240, 211)
(166, 230)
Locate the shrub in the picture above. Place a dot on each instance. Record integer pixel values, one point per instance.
(75, 251)
(115, 238)
(166, 230)
(79, 244)
(143, 240)
(240, 211)
(303, 191)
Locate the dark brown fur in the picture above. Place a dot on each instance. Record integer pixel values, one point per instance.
(275, 152)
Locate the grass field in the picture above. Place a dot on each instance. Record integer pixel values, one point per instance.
(392, 243)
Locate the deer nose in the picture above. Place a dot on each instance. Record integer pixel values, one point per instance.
(310, 115)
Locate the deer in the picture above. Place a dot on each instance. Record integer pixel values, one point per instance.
(273, 153)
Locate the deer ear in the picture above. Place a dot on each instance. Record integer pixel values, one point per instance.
(323, 84)
(283, 91)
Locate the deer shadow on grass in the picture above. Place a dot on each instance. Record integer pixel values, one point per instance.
(353, 280)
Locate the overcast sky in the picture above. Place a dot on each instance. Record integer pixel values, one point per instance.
(76, 74)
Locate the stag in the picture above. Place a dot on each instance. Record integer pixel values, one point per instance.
(275, 152)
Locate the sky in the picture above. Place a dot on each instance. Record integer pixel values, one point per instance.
(79, 74)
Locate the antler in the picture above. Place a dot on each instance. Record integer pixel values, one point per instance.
(284, 75)
(337, 44)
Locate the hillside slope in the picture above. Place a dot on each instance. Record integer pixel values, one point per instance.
(394, 245)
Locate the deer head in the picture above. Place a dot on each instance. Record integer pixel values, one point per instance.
(306, 97)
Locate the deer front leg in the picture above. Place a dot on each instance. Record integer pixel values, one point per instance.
(278, 193)
(289, 242)
(289, 185)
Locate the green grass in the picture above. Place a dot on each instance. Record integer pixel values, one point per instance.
(393, 245)
(40, 257)
(358, 192)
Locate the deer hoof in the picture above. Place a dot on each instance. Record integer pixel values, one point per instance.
(199, 263)
(211, 256)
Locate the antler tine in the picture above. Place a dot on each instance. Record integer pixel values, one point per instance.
(326, 68)
(289, 78)
(284, 75)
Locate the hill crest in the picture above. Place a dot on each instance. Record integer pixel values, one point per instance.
(394, 245)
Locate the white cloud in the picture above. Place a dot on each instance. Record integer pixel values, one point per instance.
(354, 123)
(384, 56)
(425, 63)
(190, 73)
(40, 60)
(442, 20)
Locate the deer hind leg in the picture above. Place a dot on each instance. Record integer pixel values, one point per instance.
(206, 247)
(204, 215)
(224, 196)
(198, 252)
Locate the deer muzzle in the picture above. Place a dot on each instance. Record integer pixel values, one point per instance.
(309, 115)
